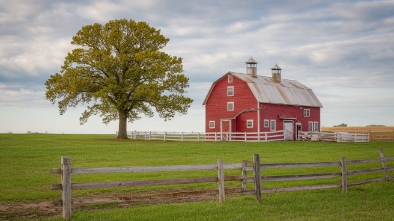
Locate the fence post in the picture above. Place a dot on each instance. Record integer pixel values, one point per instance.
(244, 174)
(66, 186)
(257, 176)
(182, 136)
(266, 136)
(198, 136)
(384, 164)
(221, 181)
(344, 175)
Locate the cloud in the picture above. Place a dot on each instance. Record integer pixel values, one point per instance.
(22, 96)
(32, 57)
(365, 11)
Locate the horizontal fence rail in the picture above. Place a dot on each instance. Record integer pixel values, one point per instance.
(209, 136)
(344, 174)
(247, 136)
(376, 133)
(257, 179)
(333, 136)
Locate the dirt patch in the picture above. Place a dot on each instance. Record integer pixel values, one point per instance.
(28, 210)
(45, 209)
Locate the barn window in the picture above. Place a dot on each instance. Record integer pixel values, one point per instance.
(266, 123)
(230, 106)
(230, 78)
(310, 126)
(307, 112)
(273, 125)
(249, 123)
(313, 126)
(230, 91)
(211, 124)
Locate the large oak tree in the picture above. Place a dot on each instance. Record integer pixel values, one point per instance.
(119, 71)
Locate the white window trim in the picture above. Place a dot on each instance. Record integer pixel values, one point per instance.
(232, 104)
(313, 126)
(229, 78)
(307, 112)
(266, 123)
(230, 88)
(316, 126)
(247, 123)
(211, 123)
(310, 126)
(272, 123)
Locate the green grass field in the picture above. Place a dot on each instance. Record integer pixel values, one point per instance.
(26, 159)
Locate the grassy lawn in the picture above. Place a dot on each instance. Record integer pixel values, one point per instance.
(26, 159)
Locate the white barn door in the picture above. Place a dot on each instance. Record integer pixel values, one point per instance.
(288, 128)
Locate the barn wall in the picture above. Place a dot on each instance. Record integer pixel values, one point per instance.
(276, 112)
(216, 104)
(241, 122)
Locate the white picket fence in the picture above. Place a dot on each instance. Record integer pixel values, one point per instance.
(210, 136)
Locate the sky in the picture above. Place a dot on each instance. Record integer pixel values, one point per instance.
(343, 50)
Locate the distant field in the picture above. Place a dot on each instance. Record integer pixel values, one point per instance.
(360, 129)
(26, 159)
(376, 133)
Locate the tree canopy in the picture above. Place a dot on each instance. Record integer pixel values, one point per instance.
(120, 72)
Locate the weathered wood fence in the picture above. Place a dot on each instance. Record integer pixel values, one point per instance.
(66, 186)
(257, 179)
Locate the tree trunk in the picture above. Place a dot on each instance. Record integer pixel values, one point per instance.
(122, 131)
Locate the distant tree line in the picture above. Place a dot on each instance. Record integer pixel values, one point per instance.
(341, 125)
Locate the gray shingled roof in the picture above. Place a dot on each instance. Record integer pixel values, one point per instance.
(286, 92)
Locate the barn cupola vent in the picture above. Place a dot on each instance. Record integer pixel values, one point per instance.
(276, 73)
(251, 67)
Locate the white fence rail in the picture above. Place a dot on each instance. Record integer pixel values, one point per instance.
(247, 136)
(333, 136)
(210, 136)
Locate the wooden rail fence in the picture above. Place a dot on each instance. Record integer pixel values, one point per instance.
(257, 179)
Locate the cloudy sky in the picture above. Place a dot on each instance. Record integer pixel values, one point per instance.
(343, 50)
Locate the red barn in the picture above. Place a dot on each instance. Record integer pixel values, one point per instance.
(238, 102)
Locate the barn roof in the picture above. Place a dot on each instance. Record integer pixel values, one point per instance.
(285, 92)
